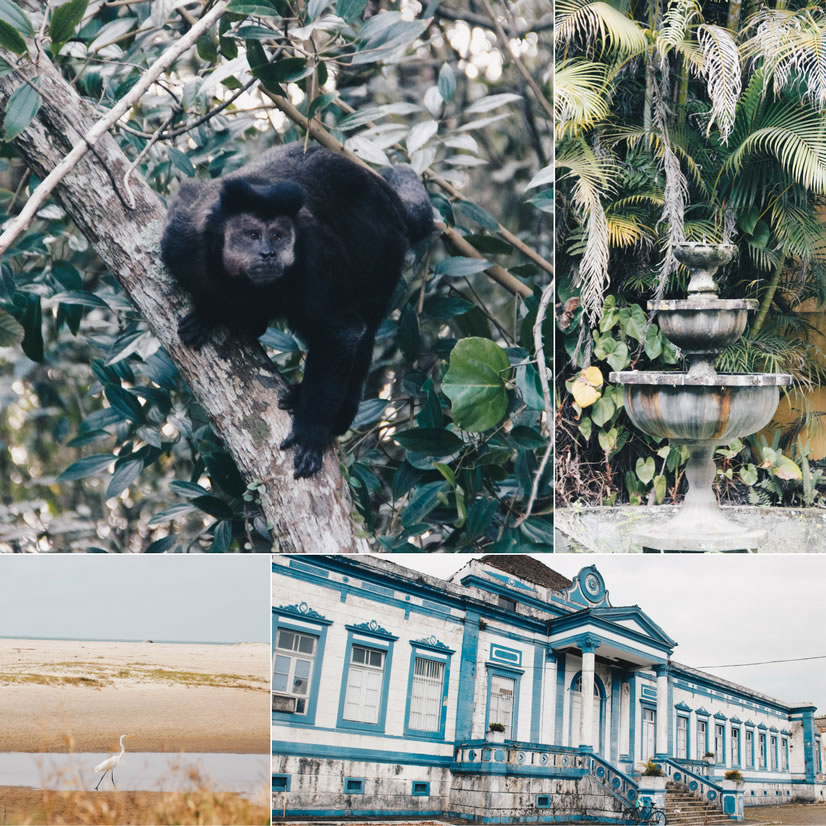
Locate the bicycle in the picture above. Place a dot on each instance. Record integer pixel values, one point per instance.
(644, 816)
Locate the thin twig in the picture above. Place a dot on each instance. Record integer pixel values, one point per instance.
(19, 224)
(132, 166)
(503, 42)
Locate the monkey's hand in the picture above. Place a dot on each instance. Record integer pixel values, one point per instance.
(194, 330)
(289, 401)
(307, 455)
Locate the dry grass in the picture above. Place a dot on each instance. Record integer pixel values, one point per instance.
(30, 807)
(104, 676)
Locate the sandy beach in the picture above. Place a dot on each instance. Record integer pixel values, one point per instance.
(64, 696)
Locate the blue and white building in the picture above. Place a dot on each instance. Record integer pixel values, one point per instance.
(386, 683)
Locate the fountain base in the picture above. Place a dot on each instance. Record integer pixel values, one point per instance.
(684, 535)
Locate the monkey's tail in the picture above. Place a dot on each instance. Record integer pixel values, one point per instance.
(418, 211)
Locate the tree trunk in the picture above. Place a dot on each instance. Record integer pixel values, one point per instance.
(234, 381)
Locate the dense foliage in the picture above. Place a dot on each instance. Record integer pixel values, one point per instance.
(108, 449)
(684, 120)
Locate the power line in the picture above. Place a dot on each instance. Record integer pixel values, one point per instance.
(765, 662)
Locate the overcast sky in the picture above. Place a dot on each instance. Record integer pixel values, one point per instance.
(179, 598)
(720, 609)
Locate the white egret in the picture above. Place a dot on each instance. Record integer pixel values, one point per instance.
(108, 765)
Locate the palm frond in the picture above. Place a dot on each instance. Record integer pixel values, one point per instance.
(721, 70)
(581, 96)
(586, 22)
(675, 24)
(795, 135)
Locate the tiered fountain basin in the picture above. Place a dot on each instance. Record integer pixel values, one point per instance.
(700, 408)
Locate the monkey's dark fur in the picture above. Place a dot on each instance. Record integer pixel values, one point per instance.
(310, 237)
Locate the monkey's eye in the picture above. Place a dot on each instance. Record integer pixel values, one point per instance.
(276, 236)
(254, 235)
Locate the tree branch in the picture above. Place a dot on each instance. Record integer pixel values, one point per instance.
(88, 140)
(234, 381)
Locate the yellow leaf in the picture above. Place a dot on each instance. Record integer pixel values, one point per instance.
(585, 388)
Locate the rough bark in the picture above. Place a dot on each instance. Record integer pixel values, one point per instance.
(234, 381)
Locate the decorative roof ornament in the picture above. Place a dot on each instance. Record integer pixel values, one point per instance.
(588, 589)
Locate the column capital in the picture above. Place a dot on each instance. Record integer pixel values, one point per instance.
(550, 655)
(662, 670)
(587, 643)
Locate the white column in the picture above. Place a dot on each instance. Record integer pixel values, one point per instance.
(625, 717)
(661, 745)
(586, 730)
(546, 730)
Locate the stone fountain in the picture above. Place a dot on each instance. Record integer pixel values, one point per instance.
(700, 408)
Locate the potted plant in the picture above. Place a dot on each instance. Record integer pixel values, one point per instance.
(652, 769)
(496, 733)
(653, 778)
(709, 757)
(733, 780)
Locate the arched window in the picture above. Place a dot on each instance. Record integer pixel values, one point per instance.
(575, 736)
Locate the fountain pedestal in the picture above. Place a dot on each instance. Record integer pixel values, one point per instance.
(700, 408)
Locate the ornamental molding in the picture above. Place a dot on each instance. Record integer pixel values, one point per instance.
(301, 610)
(372, 628)
(432, 642)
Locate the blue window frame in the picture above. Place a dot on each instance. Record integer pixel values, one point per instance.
(420, 788)
(749, 748)
(761, 740)
(296, 663)
(353, 785)
(368, 659)
(682, 737)
(428, 682)
(281, 782)
(543, 801)
(502, 703)
(784, 744)
(735, 746)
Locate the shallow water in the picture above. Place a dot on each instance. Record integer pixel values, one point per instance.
(245, 774)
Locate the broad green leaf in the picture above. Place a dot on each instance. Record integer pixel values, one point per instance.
(65, 19)
(315, 7)
(11, 331)
(645, 469)
(459, 265)
(188, 489)
(20, 111)
(221, 537)
(420, 134)
(370, 410)
(169, 514)
(447, 82)
(254, 9)
(429, 441)
(160, 546)
(88, 466)
(659, 489)
(409, 338)
(350, 10)
(602, 410)
(80, 298)
(10, 38)
(181, 161)
(475, 384)
(478, 214)
(489, 102)
(123, 476)
(213, 506)
(12, 14)
(608, 439)
(125, 403)
(748, 474)
(32, 321)
(422, 502)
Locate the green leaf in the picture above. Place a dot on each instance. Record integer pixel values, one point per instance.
(422, 502)
(123, 476)
(180, 161)
(65, 19)
(254, 9)
(125, 403)
(221, 537)
(409, 339)
(20, 111)
(88, 466)
(748, 474)
(659, 489)
(160, 546)
(350, 10)
(213, 506)
(447, 82)
(429, 441)
(608, 439)
(10, 39)
(475, 385)
(459, 265)
(11, 331)
(478, 214)
(12, 14)
(315, 7)
(602, 410)
(32, 321)
(645, 469)
(169, 514)
(370, 410)
(188, 489)
(80, 298)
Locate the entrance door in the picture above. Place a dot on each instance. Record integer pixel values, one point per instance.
(649, 729)
(576, 716)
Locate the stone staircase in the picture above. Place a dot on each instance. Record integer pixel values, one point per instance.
(682, 808)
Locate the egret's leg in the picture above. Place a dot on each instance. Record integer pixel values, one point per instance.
(113, 779)
(101, 778)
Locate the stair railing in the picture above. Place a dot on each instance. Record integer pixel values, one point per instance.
(696, 784)
(617, 783)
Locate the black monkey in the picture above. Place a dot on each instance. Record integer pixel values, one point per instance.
(308, 236)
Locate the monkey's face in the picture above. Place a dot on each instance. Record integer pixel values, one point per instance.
(257, 249)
